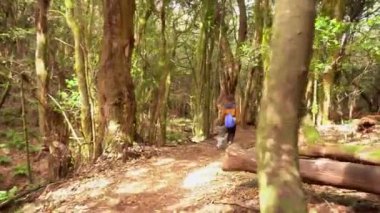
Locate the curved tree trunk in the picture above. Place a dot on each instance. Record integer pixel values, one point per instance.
(86, 119)
(117, 106)
(279, 119)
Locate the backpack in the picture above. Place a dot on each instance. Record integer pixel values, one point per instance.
(229, 121)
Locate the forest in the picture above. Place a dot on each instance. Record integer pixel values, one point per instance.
(189, 106)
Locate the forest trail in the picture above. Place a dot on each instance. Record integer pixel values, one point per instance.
(186, 178)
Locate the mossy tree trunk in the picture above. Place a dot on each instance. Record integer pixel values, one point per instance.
(157, 130)
(117, 104)
(335, 9)
(279, 119)
(202, 86)
(52, 128)
(253, 85)
(86, 118)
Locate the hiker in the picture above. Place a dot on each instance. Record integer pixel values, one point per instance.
(230, 112)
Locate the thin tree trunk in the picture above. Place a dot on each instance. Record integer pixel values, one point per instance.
(7, 89)
(40, 63)
(115, 86)
(278, 174)
(26, 136)
(256, 70)
(159, 115)
(335, 9)
(86, 118)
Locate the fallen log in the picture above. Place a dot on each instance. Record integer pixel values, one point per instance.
(319, 171)
(351, 153)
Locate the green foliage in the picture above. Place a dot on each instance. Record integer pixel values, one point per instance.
(69, 98)
(17, 33)
(352, 149)
(35, 148)
(311, 133)
(15, 140)
(20, 170)
(5, 160)
(6, 195)
(249, 55)
(326, 41)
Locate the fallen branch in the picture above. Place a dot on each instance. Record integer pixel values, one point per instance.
(22, 194)
(320, 171)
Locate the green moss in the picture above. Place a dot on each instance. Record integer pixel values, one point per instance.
(374, 154)
(311, 134)
(352, 149)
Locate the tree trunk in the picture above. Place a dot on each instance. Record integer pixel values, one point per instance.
(202, 87)
(252, 93)
(279, 119)
(321, 171)
(115, 86)
(335, 9)
(40, 63)
(52, 128)
(7, 89)
(158, 121)
(86, 118)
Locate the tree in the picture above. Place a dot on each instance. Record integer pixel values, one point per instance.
(202, 75)
(40, 63)
(52, 128)
(159, 111)
(117, 105)
(253, 87)
(86, 118)
(335, 10)
(279, 118)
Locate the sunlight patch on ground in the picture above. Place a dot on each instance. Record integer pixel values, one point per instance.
(92, 187)
(202, 176)
(135, 172)
(138, 187)
(163, 161)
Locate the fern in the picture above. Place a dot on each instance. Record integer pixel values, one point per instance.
(5, 160)
(20, 170)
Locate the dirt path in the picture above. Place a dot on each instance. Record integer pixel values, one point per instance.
(181, 179)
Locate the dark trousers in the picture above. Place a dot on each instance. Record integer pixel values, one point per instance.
(231, 134)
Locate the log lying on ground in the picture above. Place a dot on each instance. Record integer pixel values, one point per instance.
(320, 171)
(351, 153)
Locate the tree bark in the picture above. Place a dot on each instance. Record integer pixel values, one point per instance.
(40, 63)
(202, 86)
(158, 122)
(320, 171)
(86, 118)
(52, 128)
(7, 89)
(335, 9)
(252, 93)
(117, 104)
(279, 118)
